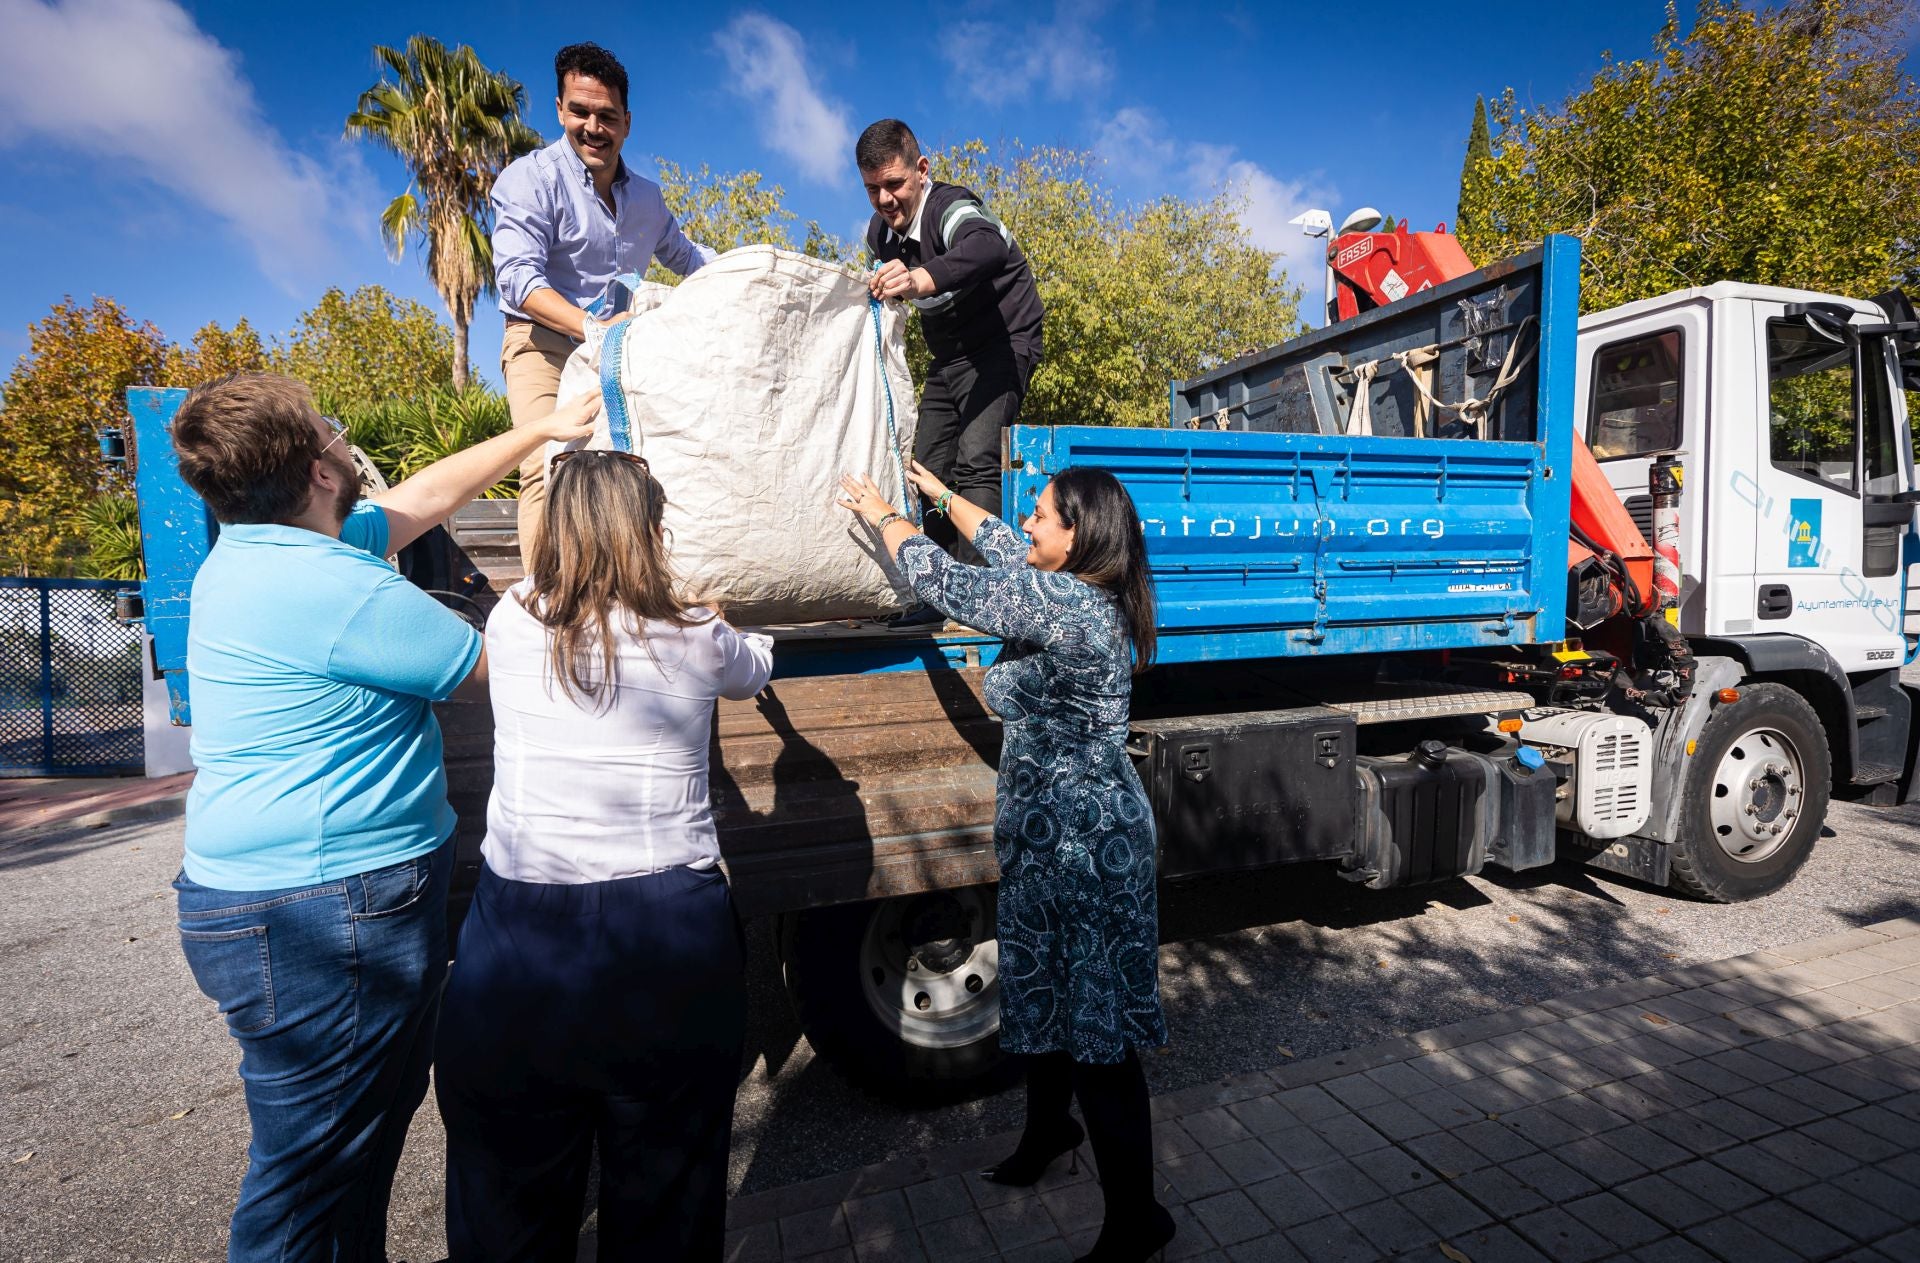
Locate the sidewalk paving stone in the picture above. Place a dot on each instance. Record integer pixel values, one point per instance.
(1215, 1127)
(1348, 1135)
(1668, 1201)
(1762, 1169)
(1231, 1218)
(1398, 1171)
(1550, 1177)
(1342, 1185)
(1670, 1250)
(1562, 1237)
(1652, 1151)
(1752, 1109)
(1300, 1148)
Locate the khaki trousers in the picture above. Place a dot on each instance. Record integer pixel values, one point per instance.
(531, 357)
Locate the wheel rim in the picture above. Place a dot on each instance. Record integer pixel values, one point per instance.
(930, 968)
(1758, 791)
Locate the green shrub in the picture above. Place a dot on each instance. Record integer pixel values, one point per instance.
(404, 436)
(112, 526)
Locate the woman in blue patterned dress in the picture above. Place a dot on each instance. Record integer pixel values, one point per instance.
(1078, 914)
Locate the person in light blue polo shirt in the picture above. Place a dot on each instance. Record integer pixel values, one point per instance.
(312, 896)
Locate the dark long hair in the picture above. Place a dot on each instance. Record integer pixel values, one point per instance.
(1109, 550)
(600, 558)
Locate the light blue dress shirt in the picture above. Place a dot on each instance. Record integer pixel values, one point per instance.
(314, 667)
(552, 231)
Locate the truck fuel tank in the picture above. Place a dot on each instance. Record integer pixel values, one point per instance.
(1441, 812)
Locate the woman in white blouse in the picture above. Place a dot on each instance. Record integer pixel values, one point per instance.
(598, 991)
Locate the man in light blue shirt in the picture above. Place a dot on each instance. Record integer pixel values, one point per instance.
(567, 220)
(312, 897)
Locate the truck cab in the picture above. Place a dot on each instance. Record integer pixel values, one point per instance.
(1796, 445)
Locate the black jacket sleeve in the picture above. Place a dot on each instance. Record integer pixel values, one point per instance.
(977, 252)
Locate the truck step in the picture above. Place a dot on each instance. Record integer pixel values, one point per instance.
(1862, 713)
(1875, 773)
(1388, 703)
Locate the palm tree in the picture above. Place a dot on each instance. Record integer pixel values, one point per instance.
(456, 125)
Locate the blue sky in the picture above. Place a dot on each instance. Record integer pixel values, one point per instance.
(187, 159)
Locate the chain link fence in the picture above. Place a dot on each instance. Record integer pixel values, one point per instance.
(70, 680)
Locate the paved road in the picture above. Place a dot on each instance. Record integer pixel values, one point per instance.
(117, 1077)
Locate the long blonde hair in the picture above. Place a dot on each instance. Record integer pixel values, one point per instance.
(601, 555)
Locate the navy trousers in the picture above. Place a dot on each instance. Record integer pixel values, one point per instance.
(616, 1012)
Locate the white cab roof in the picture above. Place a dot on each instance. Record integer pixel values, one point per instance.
(1717, 293)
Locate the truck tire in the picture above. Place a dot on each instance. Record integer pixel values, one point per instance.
(901, 996)
(1754, 796)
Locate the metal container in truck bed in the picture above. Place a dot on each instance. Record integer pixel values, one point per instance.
(1275, 532)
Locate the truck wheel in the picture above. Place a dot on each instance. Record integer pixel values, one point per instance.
(1755, 795)
(902, 996)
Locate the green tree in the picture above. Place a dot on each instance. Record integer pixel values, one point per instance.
(725, 210)
(1135, 295)
(214, 352)
(359, 348)
(1772, 146)
(1470, 219)
(70, 385)
(455, 125)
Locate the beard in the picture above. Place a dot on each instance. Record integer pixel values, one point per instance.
(350, 490)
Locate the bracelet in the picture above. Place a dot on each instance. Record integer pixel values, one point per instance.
(940, 505)
(888, 520)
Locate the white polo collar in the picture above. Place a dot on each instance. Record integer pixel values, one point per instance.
(919, 212)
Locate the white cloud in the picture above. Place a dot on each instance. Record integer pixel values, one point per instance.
(136, 85)
(767, 64)
(1136, 145)
(998, 63)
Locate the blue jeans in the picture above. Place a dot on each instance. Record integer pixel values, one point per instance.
(332, 992)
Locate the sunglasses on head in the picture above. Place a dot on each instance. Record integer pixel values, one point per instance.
(339, 432)
(561, 458)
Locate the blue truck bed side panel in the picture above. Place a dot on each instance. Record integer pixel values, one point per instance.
(1277, 544)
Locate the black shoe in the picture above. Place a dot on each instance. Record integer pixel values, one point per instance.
(1024, 1167)
(1134, 1239)
(915, 618)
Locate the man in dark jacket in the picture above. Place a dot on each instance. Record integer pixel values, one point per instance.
(938, 247)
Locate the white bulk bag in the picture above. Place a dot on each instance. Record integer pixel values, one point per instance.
(750, 388)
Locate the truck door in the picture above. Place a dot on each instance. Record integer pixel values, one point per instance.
(1645, 383)
(1824, 491)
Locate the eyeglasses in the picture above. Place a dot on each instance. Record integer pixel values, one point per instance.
(561, 458)
(339, 432)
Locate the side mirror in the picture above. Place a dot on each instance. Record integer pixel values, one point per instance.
(1905, 332)
(1831, 321)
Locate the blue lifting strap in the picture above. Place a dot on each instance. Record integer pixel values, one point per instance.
(612, 398)
(909, 500)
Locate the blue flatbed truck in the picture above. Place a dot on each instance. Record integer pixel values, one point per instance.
(1373, 651)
